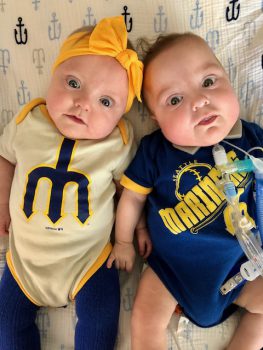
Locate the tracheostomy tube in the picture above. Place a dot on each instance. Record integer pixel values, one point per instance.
(246, 238)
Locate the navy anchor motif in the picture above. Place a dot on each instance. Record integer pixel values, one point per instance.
(196, 21)
(18, 33)
(160, 23)
(59, 176)
(126, 16)
(233, 16)
(21, 94)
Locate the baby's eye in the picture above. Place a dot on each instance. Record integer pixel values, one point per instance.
(208, 82)
(74, 83)
(175, 100)
(106, 101)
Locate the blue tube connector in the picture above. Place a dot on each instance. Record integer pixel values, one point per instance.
(230, 190)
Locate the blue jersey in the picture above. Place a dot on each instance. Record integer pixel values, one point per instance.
(194, 248)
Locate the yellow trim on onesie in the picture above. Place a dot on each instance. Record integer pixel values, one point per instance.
(94, 268)
(44, 110)
(130, 185)
(122, 127)
(28, 107)
(12, 270)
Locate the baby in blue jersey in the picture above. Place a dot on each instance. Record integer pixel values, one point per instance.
(189, 95)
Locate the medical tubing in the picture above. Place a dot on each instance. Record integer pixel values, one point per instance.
(259, 200)
(251, 248)
(226, 167)
(240, 166)
(242, 226)
(243, 233)
(230, 191)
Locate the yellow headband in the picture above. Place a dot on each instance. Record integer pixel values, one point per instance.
(108, 38)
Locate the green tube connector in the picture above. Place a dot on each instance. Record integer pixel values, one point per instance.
(238, 166)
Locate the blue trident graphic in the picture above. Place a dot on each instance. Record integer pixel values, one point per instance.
(59, 176)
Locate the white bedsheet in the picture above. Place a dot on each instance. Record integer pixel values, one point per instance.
(31, 33)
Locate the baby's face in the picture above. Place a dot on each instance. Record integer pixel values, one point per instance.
(87, 96)
(189, 94)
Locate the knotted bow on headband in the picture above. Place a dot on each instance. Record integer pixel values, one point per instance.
(108, 38)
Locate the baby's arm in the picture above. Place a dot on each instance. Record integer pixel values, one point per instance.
(6, 178)
(128, 214)
(143, 238)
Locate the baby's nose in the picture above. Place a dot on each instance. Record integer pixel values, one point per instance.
(82, 102)
(200, 102)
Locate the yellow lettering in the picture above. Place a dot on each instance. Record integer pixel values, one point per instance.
(231, 156)
(186, 215)
(171, 220)
(196, 206)
(215, 175)
(237, 178)
(228, 212)
(212, 190)
(209, 204)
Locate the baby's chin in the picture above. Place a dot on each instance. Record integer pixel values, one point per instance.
(208, 137)
(71, 134)
(204, 143)
(212, 137)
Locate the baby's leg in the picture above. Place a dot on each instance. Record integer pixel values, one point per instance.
(18, 329)
(152, 311)
(249, 333)
(97, 308)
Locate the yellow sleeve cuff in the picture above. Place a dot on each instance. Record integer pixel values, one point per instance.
(130, 185)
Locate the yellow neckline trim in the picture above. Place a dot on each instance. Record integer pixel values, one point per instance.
(28, 107)
(122, 127)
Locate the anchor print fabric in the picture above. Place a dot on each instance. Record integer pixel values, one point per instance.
(31, 33)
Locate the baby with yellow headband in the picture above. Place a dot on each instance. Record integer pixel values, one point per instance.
(64, 156)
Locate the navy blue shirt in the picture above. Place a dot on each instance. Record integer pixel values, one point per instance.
(194, 249)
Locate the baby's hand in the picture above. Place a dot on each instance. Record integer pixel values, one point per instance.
(144, 242)
(4, 219)
(123, 255)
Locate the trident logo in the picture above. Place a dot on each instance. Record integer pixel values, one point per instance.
(36, 2)
(5, 59)
(59, 176)
(2, 4)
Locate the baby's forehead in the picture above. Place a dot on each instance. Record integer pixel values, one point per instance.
(187, 51)
(176, 66)
(190, 45)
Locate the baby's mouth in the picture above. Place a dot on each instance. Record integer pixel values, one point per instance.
(208, 120)
(75, 119)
